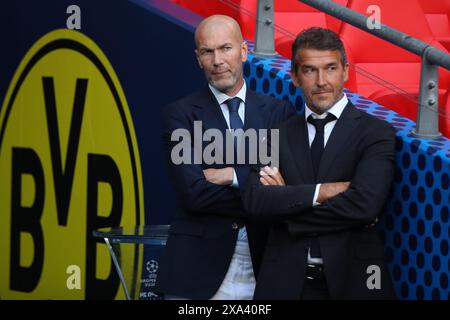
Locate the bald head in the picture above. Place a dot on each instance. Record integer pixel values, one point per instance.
(220, 52)
(218, 23)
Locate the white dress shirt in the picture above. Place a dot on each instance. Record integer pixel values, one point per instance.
(335, 110)
(239, 282)
(221, 98)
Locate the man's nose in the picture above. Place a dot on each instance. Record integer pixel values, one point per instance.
(217, 58)
(321, 78)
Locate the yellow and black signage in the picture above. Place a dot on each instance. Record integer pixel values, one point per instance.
(69, 163)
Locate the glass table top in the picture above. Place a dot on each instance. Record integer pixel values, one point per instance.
(149, 234)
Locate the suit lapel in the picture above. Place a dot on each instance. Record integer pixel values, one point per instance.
(254, 107)
(211, 115)
(207, 110)
(299, 145)
(344, 127)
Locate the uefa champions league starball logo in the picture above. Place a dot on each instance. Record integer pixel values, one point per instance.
(152, 266)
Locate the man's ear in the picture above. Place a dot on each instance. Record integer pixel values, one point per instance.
(346, 72)
(198, 59)
(244, 51)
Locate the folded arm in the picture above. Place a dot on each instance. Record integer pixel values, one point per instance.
(272, 198)
(199, 190)
(342, 207)
(361, 204)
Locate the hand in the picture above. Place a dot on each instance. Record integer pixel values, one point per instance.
(271, 177)
(222, 176)
(329, 190)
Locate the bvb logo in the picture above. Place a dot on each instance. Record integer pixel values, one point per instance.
(69, 164)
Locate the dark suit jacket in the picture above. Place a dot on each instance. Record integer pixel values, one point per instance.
(203, 233)
(361, 150)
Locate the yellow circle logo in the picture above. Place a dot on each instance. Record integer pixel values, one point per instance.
(69, 163)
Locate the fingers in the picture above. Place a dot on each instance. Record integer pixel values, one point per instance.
(279, 177)
(271, 176)
(276, 175)
(345, 184)
(265, 181)
(207, 173)
(223, 176)
(266, 178)
(342, 186)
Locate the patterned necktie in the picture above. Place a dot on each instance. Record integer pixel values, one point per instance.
(233, 106)
(235, 122)
(317, 147)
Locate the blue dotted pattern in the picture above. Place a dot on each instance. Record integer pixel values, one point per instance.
(270, 76)
(416, 225)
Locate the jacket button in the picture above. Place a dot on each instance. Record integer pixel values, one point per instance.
(235, 226)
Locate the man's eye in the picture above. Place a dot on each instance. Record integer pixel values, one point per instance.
(331, 68)
(227, 48)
